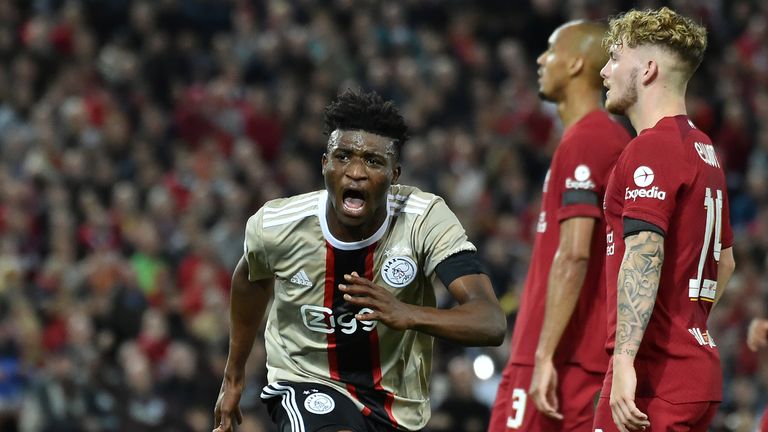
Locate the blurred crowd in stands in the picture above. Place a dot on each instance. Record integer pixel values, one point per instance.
(136, 137)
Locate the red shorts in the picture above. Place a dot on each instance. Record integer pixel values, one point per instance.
(664, 416)
(764, 421)
(514, 411)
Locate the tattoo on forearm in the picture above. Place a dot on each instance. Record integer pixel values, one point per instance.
(638, 285)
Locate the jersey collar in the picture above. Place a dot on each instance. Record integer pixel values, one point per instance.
(342, 245)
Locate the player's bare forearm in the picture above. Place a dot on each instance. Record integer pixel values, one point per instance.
(566, 278)
(248, 303)
(725, 269)
(476, 321)
(638, 286)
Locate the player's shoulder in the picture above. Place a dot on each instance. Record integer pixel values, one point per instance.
(282, 211)
(596, 129)
(293, 201)
(669, 132)
(661, 141)
(598, 118)
(410, 200)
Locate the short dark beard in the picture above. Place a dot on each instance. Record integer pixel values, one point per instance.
(543, 96)
(627, 99)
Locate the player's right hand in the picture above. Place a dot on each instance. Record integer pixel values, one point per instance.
(543, 389)
(228, 407)
(757, 335)
(383, 305)
(625, 413)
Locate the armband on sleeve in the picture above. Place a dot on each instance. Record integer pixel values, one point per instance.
(458, 265)
(635, 226)
(571, 197)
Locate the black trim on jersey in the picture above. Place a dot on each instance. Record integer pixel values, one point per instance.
(636, 226)
(457, 265)
(354, 351)
(572, 196)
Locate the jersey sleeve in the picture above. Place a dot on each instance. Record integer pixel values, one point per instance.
(650, 180)
(577, 171)
(441, 235)
(255, 252)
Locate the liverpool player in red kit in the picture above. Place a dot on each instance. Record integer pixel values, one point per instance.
(669, 251)
(557, 362)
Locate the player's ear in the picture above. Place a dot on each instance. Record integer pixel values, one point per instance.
(651, 72)
(396, 173)
(324, 161)
(575, 66)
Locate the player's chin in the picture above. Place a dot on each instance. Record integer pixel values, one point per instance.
(613, 107)
(353, 217)
(545, 95)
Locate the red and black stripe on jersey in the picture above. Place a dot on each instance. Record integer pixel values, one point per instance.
(353, 359)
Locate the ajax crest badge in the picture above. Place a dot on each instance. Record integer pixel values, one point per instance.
(399, 271)
(319, 403)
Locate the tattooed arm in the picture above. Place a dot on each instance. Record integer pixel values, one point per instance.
(638, 285)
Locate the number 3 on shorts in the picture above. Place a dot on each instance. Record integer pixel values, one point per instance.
(518, 408)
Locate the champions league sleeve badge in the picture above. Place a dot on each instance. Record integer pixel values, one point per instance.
(399, 271)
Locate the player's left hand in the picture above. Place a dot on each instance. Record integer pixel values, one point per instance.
(387, 309)
(543, 389)
(625, 413)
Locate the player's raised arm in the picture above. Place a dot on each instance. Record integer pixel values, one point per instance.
(248, 303)
(476, 321)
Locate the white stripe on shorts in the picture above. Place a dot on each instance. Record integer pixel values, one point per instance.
(289, 403)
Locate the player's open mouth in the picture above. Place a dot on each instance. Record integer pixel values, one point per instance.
(353, 201)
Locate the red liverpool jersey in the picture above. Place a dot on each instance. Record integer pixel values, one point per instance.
(669, 176)
(574, 186)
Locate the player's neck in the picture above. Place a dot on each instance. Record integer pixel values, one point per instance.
(652, 107)
(578, 102)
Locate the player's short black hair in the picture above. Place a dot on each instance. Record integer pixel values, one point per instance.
(366, 111)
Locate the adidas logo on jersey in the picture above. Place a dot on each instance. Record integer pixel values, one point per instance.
(301, 278)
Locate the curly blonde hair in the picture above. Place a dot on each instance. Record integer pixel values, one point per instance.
(662, 27)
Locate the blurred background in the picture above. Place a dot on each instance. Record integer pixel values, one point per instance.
(136, 137)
